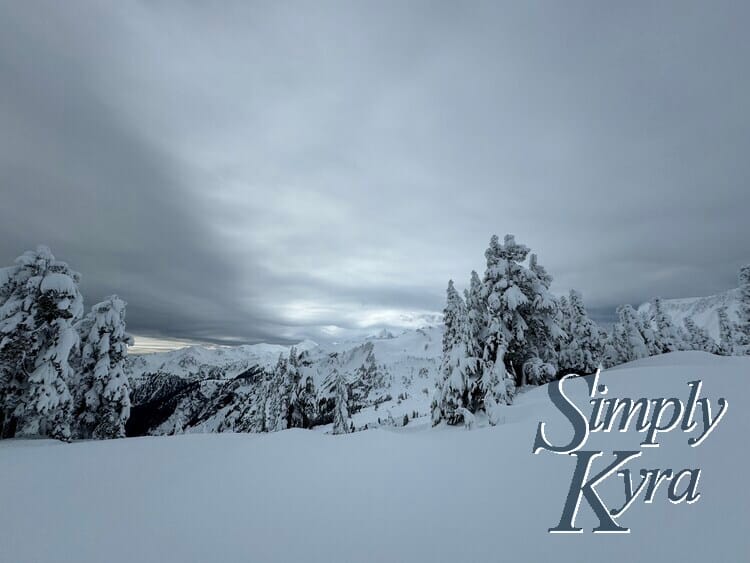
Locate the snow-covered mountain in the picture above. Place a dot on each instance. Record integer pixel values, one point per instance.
(200, 389)
(219, 362)
(703, 310)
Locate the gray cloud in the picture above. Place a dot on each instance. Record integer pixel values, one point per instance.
(272, 172)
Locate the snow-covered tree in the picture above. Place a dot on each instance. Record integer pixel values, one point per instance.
(476, 316)
(342, 423)
(612, 346)
(521, 312)
(302, 407)
(41, 302)
(455, 383)
(582, 348)
(280, 389)
(667, 336)
(103, 402)
(744, 312)
(564, 317)
(370, 381)
(646, 325)
(727, 333)
(626, 339)
(272, 397)
(697, 338)
(306, 406)
(291, 390)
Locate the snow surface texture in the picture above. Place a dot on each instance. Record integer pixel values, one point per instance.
(413, 494)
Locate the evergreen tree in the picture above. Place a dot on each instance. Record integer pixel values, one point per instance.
(274, 413)
(341, 421)
(744, 311)
(370, 381)
(290, 392)
(307, 405)
(521, 312)
(627, 339)
(667, 336)
(476, 315)
(41, 302)
(646, 326)
(454, 380)
(697, 338)
(303, 408)
(564, 320)
(104, 395)
(727, 330)
(582, 349)
(613, 346)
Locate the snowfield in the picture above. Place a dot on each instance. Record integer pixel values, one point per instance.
(410, 494)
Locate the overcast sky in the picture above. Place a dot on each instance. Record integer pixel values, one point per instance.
(244, 172)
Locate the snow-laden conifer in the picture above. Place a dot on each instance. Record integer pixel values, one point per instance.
(455, 382)
(582, 348)
(521, 316)
(667, 335)
(41, 302)
(476, 316)
(627, 339)
(697, 338)
(342, 423)
(278, 395)
(727, 333)
(646, 325)
(104, 391)
(744, 311)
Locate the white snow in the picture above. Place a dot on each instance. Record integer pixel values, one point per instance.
(62, 283)
(414, 494)
(703, 310)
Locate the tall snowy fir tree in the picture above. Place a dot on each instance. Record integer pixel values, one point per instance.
(303, 408)
(582, 347)
(280, 393)
(476, 315)
(521, 324)
(341, 420)
(37, 339)
(697, 338)
(290, 391)
(727, 333)
(455, 382)
(626, 338)
(646, 325)
(103, 398)
(306, 406)
(274, 414)
(743, 325)
(667, 336)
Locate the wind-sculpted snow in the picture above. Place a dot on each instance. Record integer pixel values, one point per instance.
(416, 494)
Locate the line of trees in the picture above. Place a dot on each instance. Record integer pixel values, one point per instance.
(62, 373)
(508, 330)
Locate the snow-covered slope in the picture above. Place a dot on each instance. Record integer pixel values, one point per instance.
(412, 494)
(703, 310)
